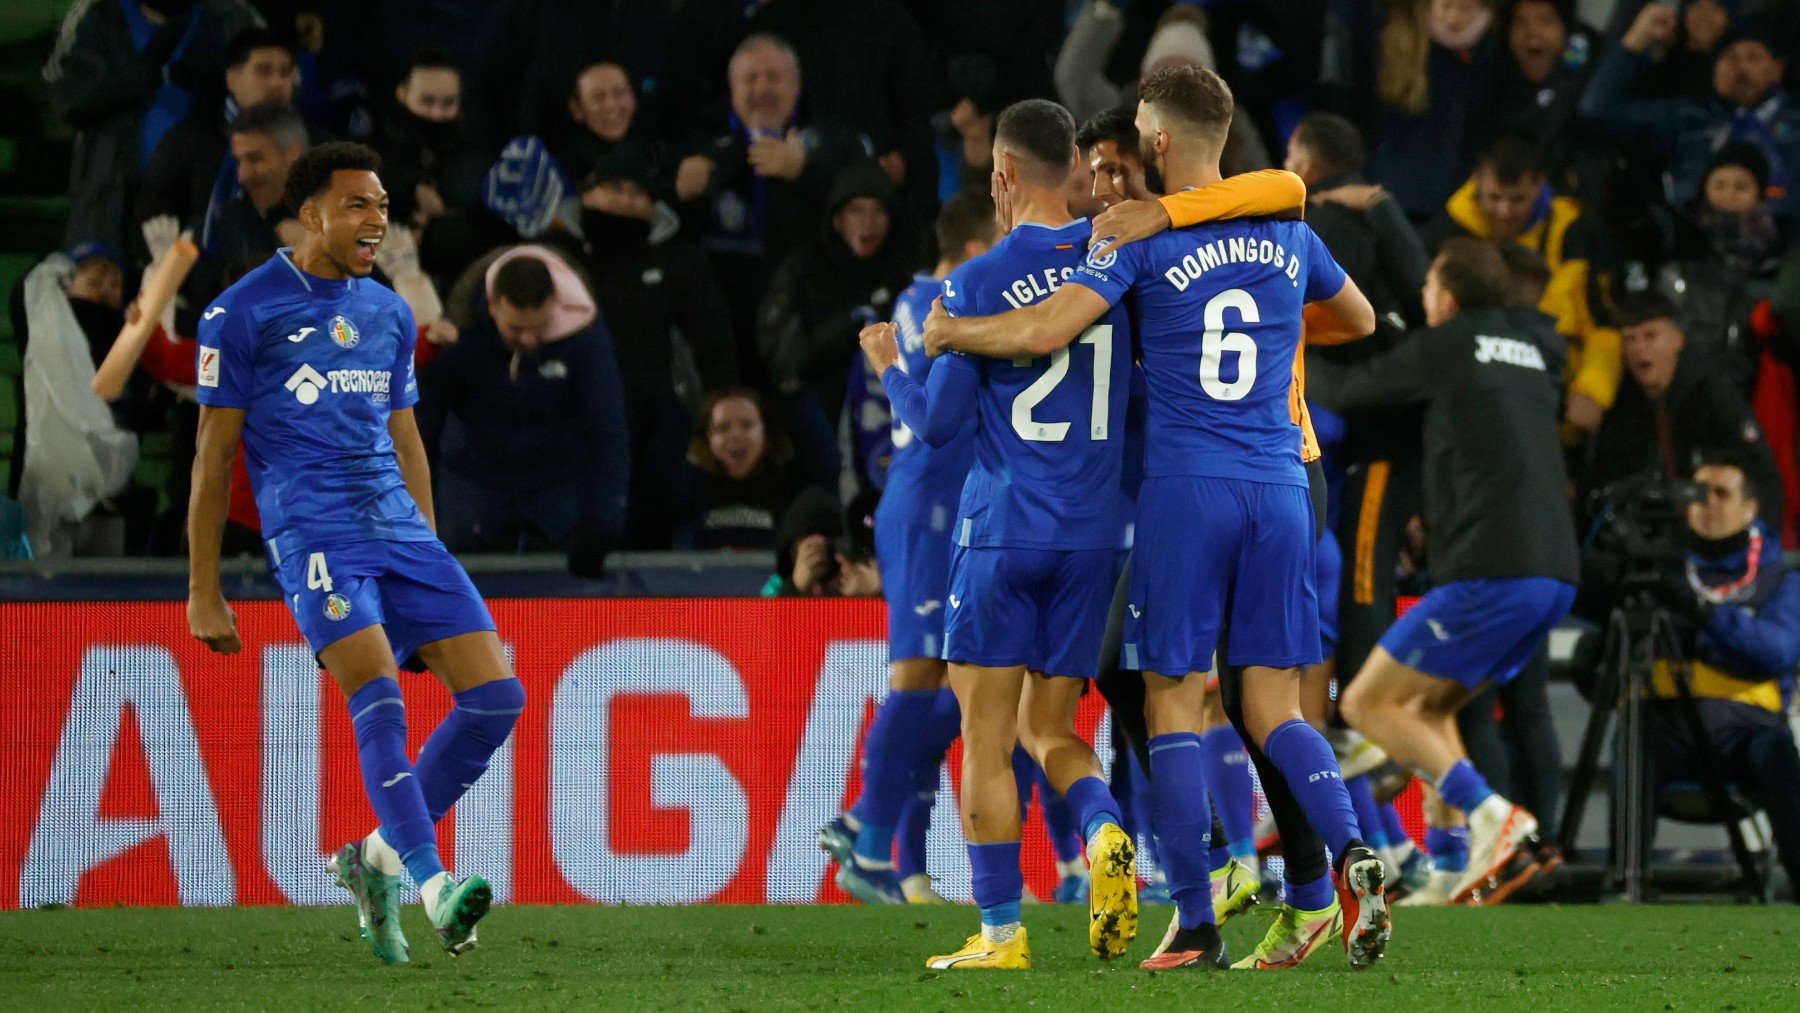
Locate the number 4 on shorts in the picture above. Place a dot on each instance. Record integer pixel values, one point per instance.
(318, 578)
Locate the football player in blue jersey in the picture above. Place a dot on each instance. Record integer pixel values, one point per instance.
(310, 363)
(1225, 523)
(915, 723)
(1037, 536)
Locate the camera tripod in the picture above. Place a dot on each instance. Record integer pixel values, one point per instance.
(1639, 634)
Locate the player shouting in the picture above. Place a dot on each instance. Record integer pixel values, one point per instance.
(1037, 538)
(311, 363)
(1224, 534)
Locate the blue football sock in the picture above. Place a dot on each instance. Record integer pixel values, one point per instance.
(996, 882)
(1449, 848)
(1060, 815)
(1396, 830)
(1233, 793)
(890, 762)
(1218, 856)
(1023, 765)
(1314, 895)
(457, 753)
(1368, 815)
(915, 826)
(1311, 770)
(1143, 801)
(1463, 786)
(1093, 807)
(1183, 823)
(942, 727)
(379, 717)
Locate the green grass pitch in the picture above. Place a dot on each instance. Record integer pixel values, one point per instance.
(1542, 958)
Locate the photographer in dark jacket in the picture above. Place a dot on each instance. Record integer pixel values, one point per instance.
(1503, 548)
(525, 417)
(1670, 406)
(1742, 604)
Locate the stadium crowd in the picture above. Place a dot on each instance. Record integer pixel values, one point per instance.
(640, 239)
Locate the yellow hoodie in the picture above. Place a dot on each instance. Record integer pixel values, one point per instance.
(1594, 356)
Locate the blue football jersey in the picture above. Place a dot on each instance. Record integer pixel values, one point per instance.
(1218, 314)
(919, 472)
(317, 365)
(1051, 429)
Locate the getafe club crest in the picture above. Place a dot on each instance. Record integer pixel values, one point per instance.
(337, 606)
(343, 332)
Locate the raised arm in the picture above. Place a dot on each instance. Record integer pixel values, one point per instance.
(936, 412)
(1029, 332)
(209, 619)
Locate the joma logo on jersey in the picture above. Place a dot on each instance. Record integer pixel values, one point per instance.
(343, 332)
(1511, 351)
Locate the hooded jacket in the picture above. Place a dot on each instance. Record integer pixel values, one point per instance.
(823, 294)
(1574, 247)
(526, 423)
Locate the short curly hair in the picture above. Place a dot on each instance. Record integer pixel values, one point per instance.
(1192, 94)
(310, 175)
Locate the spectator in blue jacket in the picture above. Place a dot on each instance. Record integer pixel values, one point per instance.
(1746, 103)
(1742, 605)
(526, 417)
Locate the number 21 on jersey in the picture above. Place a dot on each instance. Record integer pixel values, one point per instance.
(1100, 336)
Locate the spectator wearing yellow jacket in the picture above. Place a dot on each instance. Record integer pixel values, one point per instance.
(1509, 198)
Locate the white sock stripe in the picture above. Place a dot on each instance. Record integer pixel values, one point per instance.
(394, 700)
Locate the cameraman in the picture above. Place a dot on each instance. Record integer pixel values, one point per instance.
(1739, 604)
(1671, 404)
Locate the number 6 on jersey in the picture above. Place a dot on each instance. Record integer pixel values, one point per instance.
(1216, 342)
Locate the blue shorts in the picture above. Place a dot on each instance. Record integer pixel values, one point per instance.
(1328, 573)
(1471, 631)
(1218, 554)
(913, 551)
(416, 590)
(1041, 608)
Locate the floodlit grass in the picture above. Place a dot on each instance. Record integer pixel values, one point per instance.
(806, 957)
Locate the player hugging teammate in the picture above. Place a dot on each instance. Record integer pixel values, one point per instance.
(1224, 524)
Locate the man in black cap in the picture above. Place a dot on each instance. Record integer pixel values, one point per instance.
(1747, 102)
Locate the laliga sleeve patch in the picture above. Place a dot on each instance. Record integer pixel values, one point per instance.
(209, 366)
